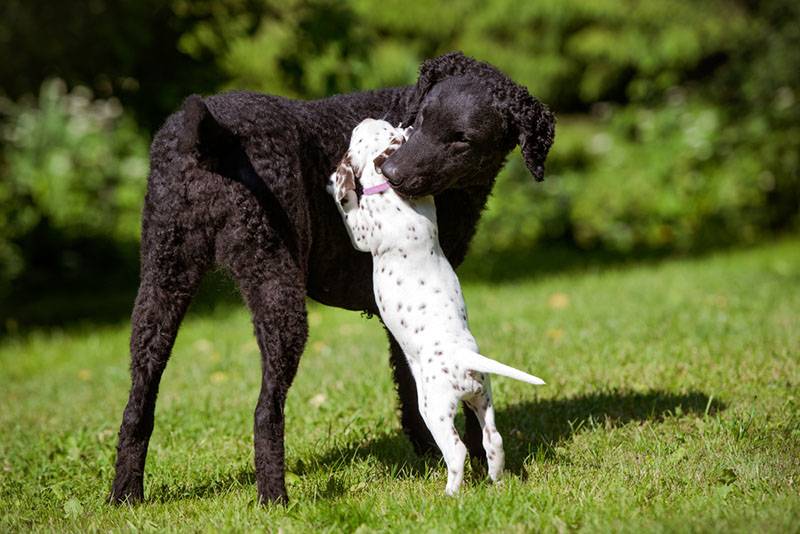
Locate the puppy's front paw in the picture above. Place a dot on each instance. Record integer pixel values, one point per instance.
(344, 178)
(330, 187)
(349, 201)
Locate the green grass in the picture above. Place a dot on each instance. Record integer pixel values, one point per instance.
(671, 405)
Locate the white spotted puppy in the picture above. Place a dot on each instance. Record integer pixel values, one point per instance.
(419, 297)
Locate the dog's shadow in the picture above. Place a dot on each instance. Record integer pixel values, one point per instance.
(531, 427)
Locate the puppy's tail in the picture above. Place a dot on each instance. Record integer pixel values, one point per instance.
(482, 364)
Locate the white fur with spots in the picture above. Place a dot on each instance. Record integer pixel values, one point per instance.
(419, 298)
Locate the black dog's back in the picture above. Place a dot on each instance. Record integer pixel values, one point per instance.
(281, 150)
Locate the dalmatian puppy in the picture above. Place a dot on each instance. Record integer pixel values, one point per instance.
(419, 297)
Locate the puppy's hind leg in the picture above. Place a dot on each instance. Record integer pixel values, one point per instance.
(492, 441)
(412, 401)
(440, 415)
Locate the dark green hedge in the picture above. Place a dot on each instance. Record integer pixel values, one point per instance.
(679, 121)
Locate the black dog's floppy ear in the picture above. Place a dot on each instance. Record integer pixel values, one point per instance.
(535, 125)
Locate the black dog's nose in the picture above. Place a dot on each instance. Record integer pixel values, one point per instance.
(389, 170)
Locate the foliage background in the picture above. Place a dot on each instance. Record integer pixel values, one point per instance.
(679, 121)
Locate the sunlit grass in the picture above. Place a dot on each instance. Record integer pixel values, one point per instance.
(671, 404)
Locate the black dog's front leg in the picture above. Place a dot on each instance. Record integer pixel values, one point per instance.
(413, 424)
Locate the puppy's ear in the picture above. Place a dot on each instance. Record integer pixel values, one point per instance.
(345, 178)
(535, 127)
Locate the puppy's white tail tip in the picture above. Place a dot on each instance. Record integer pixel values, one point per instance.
(482, 364)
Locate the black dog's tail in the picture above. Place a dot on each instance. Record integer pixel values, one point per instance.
(201, 131)
(217, 148)
(195, 113)
(221, 151)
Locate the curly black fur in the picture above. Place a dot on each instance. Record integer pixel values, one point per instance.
(237, 180)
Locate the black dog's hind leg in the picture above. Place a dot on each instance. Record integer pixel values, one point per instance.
(168, 282)
(473, 436)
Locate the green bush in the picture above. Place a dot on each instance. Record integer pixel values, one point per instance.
(676, 177)
(569, 52)
(679, 121)
(72, 165)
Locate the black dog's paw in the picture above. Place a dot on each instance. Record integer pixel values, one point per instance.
(130, 498)
(273, 496)
(417, 432)
(126, 492)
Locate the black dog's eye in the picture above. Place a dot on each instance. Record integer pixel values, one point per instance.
(459, 137)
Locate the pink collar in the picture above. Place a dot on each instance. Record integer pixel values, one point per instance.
(375, 189)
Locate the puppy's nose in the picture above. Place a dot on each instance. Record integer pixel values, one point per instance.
(389, 170)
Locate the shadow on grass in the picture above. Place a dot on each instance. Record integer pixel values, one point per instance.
(103, 298)
(536, 427)
(106, 301)
(105, 294)
(558, 259)
(244, 477)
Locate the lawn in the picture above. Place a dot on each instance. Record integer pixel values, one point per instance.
(672, 404)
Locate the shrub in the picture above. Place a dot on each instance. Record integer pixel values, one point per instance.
(676, 177)
(694, 135)
(72, 165)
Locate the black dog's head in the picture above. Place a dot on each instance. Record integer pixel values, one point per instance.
(467, 116)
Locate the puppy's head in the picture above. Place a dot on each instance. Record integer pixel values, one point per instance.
(467, 116)
(372, 142)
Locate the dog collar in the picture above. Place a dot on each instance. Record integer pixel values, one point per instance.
(375, 189)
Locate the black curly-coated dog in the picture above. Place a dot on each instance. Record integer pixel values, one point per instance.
(238, 181)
